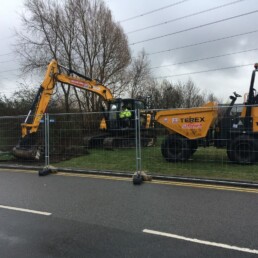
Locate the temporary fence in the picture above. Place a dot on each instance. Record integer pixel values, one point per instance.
(74, 141)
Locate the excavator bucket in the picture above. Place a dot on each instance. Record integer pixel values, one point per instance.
(29, 154)
(27, 148)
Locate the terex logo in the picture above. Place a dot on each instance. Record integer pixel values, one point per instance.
(192, 120)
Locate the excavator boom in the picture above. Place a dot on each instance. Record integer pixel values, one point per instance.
(46, 90)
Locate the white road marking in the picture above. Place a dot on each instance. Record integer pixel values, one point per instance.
(198, 241)
(25, 210)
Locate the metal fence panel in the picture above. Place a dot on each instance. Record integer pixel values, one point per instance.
(10, 135)
(77, 142)
(210, 159)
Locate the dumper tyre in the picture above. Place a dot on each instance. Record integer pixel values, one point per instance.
(230, 152)
(176, 148)
(243, 150)
(193, 146)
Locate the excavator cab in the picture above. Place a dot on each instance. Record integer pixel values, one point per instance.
(120, 132)
(115, 106)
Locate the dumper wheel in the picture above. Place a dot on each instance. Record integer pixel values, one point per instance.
(230, 152)
(193, 146)
(176, 148)
(243, 150)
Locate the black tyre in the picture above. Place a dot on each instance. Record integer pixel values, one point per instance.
(229, 153)
(193, 146)
(243, 150)
(176, 148)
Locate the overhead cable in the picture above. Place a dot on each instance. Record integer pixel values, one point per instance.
(153, 11)
(203, 42)
(205, 58)
(7, 61)
(11, 70)
(7, 54)
(186, 16)
(8, 37)
(196, 27)
(204, 71)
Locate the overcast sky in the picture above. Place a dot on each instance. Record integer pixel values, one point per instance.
(174, 25)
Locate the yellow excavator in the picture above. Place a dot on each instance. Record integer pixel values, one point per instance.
(112, 135)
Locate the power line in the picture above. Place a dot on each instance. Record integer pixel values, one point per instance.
(7, 61)
(8, 78)
(8, 37)
(203, 42)
(196, 27)
(205, 58)
(11, 70)
(7, 54)
(186, 16)
(204, 71)
(153, 11)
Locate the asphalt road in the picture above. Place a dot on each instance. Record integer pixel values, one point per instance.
(86, 216)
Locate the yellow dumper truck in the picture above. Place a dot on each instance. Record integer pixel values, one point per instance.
(201, 126)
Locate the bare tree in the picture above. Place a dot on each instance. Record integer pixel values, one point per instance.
(153, 95)
(167, 95)
(211, 97)
(139, 75)
(172, 95)
(193, 97)
(21, 100)
(81, 35)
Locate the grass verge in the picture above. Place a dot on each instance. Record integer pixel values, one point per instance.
(205, 163)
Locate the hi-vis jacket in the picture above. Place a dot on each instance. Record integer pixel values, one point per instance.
(125, 113)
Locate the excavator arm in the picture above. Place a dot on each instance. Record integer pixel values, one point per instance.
(46, 90)
(43, 97)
